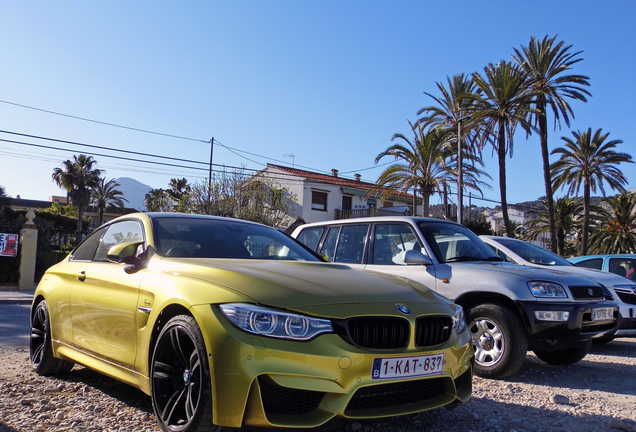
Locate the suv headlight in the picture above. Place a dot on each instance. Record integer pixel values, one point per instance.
(546, 289)
(459, 321)
(273, 323)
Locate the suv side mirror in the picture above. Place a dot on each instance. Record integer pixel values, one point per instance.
(416, 257)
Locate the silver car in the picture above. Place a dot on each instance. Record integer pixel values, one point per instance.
(622, 289)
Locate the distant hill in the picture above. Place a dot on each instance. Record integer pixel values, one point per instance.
(133, 191)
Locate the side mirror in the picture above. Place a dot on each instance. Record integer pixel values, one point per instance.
(124, 253)
(416, 257)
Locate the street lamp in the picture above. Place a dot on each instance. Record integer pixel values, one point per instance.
(460, 173)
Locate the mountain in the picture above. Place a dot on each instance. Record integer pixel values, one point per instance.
(133, 191)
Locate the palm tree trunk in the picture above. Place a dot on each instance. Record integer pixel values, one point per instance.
(501, 152)
(80, 217)
(446, 212)
(586, 216)
(426, 198)
(545, 153)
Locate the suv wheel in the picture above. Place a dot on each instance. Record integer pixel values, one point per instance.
(499, 340)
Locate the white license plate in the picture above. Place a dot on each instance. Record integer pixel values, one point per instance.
(406, 367)
(602, 313)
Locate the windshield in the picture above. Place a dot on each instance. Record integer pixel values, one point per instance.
(221, 238)
(532, 253)
(452, 243)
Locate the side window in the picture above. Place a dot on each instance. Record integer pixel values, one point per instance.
(121, 232)
(318, 200)
(86, 250)
(623, 267)
(391, 241)
(351, 244)
(596, 263)
(310, 237)
(329, 246)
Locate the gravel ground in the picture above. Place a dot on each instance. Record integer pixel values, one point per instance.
(596, 394)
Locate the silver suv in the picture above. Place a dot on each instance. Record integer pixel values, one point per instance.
(510, 309)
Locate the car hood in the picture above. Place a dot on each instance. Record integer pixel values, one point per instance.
(293, 284)
(480, 269)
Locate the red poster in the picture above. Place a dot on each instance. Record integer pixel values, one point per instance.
(8, 245)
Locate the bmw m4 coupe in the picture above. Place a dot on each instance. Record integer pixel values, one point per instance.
(229, 323)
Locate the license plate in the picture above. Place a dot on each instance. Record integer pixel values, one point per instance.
(406, 367)
(602, 313)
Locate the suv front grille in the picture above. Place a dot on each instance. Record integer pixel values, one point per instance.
(375, 332)
(587, 292)
(626, 295)
(433, 330)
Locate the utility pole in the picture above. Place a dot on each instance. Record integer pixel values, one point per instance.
(210, 177)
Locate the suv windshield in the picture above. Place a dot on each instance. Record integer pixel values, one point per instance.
(452, 243)
(532, 253)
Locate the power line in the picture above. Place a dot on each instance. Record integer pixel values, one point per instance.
(231, 149)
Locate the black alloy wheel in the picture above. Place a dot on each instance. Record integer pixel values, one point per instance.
(180, 378)
(41, 352)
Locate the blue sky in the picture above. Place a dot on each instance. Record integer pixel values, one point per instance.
(327, 81)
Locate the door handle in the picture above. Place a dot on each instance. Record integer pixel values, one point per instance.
(81, 276)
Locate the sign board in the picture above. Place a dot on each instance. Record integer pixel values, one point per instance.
(8, 245)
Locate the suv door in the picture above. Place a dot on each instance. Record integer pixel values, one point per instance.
(389, 242)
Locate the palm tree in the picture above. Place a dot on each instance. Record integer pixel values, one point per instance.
(588, 161)
(105, 194)
(452, 111)
(78, 177)
(617, 226)
(422, 164)
(157, 200)
(180, 192)
(547, 64)
(567, 212)
(504, 104)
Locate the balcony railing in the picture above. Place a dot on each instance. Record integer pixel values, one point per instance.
(370, 212)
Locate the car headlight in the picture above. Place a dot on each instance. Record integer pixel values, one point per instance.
(459, 321)
(546, 289)
(273, 323)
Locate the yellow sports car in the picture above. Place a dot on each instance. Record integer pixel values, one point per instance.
(225, 322)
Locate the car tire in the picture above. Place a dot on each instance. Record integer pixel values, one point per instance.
(42, 359)
(499, 339)
(567, 356)
(180, 378)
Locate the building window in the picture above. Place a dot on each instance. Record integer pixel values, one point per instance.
(346, 202)
(319, 200)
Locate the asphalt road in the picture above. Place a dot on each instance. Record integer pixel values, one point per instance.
(15, 326)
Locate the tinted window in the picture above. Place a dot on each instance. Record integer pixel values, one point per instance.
(391, 241)
(329, 246)
(451, 243)
(118, 233)
(219, 238)
(351, 244)
(533, 254)
(596, 263)
(310, 237)
(623, 267)
(86, 250)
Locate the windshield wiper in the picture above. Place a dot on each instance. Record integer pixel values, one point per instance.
(465, 258)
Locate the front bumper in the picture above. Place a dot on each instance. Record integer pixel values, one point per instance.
(259, 381)
(552, 335)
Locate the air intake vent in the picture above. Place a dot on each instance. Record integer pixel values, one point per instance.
(395, 394)
(379, 333)
(587, 292)
(434, 330)
(284, 400)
